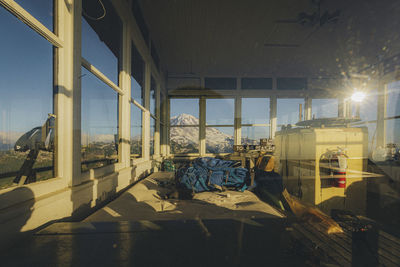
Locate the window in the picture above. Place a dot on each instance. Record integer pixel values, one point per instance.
(291, 83)
(137, 76)
(367, 112)
(101, 39)
(43, 12)
(136, 131)
(219, 125)
(393, 114)
(162, 123)
(288, 110)
(99, 122)
(153, 94)
(137, 95)
(184, 126)
(324, 108)
(101, 47)
(26, 90)
(255, 120)
(137, 13)
(257, 83)
(152, 131)
(220, 83)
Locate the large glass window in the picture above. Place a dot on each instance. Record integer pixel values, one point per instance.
(153, 95)
(219, 125)
(184, 122)
(324, 108)
(102, 38)
(220, 111)
(367, 111)
(99, 122)
(393, 114)
(255, 120)
(136, 131)
(288, 110)
(137, 76)
(137, 94)
(101, 47)
(26, 99)
(152, 131)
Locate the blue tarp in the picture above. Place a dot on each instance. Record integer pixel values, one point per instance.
(208, 174)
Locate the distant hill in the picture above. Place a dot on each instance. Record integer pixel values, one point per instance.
(8, 139)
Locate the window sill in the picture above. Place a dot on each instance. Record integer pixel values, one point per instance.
(17, 194)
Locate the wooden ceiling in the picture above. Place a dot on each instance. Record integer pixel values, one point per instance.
(245, 38)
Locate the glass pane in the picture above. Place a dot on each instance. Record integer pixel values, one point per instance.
(41, 10)
(152, 131)
(184, 111)
(219, 140)
(393, 100)
(137, 91)
(26, 95)
(324, 108)
(99, 122)
(184, 140)
(255, 110)
(101, 44)
(136, 131)
(137, 76)
(251, 135)
(288, 110)
(393, 132)
(368, 107)
(220, 111)
(153, 97)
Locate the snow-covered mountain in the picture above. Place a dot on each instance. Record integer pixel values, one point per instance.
(98, 138)
(184, 119)
(217, 141)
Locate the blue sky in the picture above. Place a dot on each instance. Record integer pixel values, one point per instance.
(26, 67)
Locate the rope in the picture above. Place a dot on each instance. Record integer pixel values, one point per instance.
(99, 18)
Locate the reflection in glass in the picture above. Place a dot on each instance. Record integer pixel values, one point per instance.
(255, 110)
(136, 131)
(184, 111)
(251, 135)
(288, 110)
(26, 89)
(41, 10)
(99, 122)
(393, 110)
(219, 140)
(368, 108)
(96, 51)
(153, 96)
(152, 131)
(393, 100)
(392, 132)
(324, 108)
(137, 76)
(220, 111)
(368, 113)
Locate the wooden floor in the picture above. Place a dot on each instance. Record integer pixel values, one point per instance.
(145, 201)
(370, 248)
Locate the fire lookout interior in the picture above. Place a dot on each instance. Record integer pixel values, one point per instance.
(107, 106)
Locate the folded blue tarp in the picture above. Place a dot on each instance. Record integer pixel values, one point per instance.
(208, 174)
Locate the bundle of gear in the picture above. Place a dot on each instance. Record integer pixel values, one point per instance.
(210, 174)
